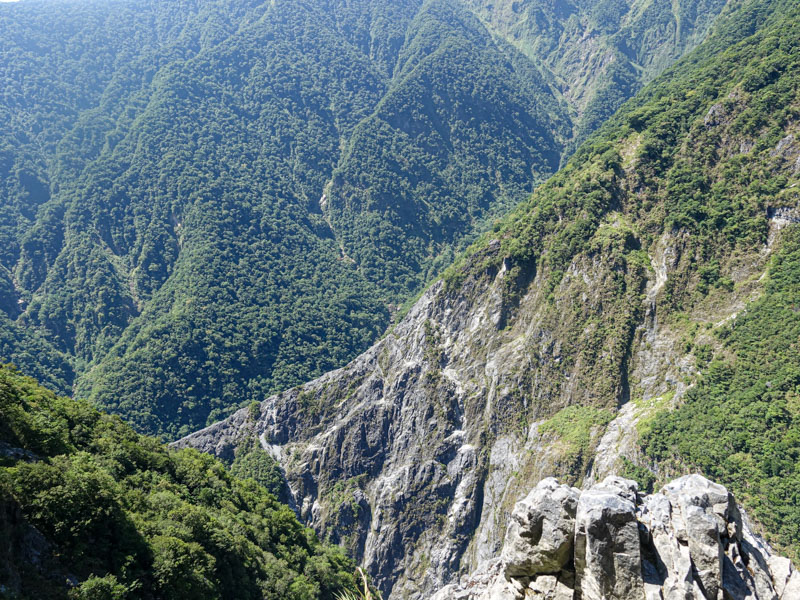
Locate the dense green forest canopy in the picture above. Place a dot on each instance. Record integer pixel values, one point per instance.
(600, 52)
(91, 509)
(203, 202)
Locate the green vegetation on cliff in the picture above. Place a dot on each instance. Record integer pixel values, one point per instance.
(92, 510)
(694, 152)
(741, 423)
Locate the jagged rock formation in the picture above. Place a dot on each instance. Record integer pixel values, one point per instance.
(688, 542)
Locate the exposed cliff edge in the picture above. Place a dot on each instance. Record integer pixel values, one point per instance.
(689, 541)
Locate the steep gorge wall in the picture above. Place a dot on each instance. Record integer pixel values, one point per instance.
(413, 455)
(548, 350)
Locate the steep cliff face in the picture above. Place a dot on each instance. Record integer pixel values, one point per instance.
(689, 541)
(551, 347)
(413, 455)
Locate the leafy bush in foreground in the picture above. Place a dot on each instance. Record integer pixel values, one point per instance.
(125, 517)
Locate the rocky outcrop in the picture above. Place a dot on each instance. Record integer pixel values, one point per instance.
(540, 535)
(687, 542)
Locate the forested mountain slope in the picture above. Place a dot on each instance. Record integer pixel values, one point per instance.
(206, 202)
(90, 506)
(637, 315)
(599, 53)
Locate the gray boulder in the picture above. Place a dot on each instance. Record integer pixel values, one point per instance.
(540, 535)
(785, 577)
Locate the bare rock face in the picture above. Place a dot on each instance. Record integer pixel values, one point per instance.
(687, 542)
(607, 549)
